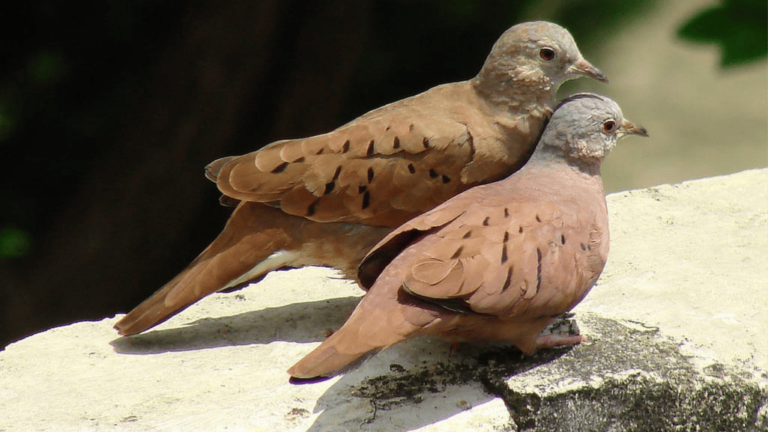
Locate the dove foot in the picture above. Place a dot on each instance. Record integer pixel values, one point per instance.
(453, 348)
(555, 340)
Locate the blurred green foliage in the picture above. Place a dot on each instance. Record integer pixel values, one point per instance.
(740, 27)
(67, 73)
(46, 68)
(14, 243)
(7, 122)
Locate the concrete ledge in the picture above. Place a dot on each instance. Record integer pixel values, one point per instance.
(677, 325)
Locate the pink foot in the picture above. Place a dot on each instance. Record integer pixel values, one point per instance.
(554, 340)
(454, 347)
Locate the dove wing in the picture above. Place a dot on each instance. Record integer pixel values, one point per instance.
(385, 167)
(489, 254)
(377, 171)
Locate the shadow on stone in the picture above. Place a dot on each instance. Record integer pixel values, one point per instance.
(422, 389)
(297, 322)
(627, 378)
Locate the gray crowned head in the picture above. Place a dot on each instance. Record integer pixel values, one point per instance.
(533, 59)
(585, 127)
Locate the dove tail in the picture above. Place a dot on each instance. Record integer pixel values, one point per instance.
(327, 361)
(377, 323)
(213, 169)
(341, 352)
(252, 244)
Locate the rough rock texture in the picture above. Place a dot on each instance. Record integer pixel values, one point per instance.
(677, 326)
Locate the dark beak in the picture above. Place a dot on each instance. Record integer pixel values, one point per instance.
(583, 67)
(629, 128)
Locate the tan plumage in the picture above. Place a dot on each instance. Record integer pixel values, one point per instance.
(245, 250)
(496, 263)
(377, 171)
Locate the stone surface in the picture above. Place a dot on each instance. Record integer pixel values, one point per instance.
(677, 326)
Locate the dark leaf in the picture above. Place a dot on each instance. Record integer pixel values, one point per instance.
(704, 27)
(740, 27)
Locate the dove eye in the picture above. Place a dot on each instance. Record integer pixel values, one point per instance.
(547, 54)
(609, 126)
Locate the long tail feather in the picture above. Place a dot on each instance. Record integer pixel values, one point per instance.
(376, 323)
(246, 249)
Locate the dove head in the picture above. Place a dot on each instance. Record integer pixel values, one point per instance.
(585, 127)
(529, 62)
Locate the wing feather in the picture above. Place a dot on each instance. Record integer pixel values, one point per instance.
(499, 258)
(381, 169)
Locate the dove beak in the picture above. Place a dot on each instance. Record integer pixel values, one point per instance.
(629, 128)
(583, 67)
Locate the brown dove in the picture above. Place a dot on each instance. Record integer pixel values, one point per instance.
(495, 263)
(326, 200)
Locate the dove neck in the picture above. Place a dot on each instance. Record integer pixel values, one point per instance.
(515, 92)
(548, 155)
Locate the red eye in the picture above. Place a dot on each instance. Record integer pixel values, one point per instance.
(547, 54)
(609, 126)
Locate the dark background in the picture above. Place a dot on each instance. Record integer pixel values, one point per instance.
(110, 110)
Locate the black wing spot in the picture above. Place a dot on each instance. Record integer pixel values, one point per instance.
(508, 281)
(280, 168)
(446, 179)
(311, 208)
(506, 236)
(411, 168)
(337, 173)
(396, 143)
(538, 270)
(432, 173)
(366, 199)
(520, 230)
(388, 128)
(319, 152)
(538, 219)
(370, 174)
(361, 189)
(583, 247)
(369, 152)
(504, 253)
(562, 238)
(411, 127)
(425, 142)
(457, 253)
(506, 212)
(468, 234)
(486, 221)
(329, 188)
(345, 147)
(299, 160)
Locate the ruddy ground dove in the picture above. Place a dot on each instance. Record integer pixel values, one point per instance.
(495, 263)
(326, 200)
